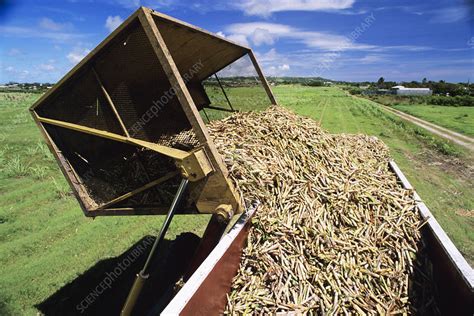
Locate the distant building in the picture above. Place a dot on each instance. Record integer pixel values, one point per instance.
(12, 86)
(401, 90)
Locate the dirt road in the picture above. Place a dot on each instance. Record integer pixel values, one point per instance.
(457, 138)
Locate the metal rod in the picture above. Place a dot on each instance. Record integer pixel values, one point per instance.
(205, 114)
(166, 224)
(110, 102)
(262, 78)
(143, 275)
(218, 108)
(151, 184)
(167, 151)
(223, 91)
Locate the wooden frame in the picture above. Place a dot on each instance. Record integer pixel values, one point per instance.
(218, 189)
(111, 103)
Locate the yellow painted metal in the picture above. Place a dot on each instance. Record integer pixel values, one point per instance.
(193, 166)
(111, 103)
(167, 151)
(162, 179)
(196, 166)
(134, 294)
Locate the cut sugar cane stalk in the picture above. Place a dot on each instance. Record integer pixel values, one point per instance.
(335, 232)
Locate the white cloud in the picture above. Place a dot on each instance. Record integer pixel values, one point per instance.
(129, 4)
(449, 15)
(277, 71)
(49, 24)
(267, 33)
(410, 9)
(249, 28)
(16, 74)
(330, 42)
(112, 22)
(269, 57)
(406, 48)
(238, 38)
(220, 33)
(260, 33)
(267, 7)
(26, 32)
(77, 54)
(262, 36)
(14, 52)
(46, 67)
(241, 67)
(370, 59)
(276, 64)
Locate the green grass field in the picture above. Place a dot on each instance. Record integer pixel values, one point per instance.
(46, 242)
(459, 119)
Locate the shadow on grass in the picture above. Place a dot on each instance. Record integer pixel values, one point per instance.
(4, 310)
(103, 288)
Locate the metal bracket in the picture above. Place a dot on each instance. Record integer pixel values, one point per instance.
(195, 166)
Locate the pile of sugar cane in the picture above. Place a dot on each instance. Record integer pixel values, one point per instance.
(335, 232)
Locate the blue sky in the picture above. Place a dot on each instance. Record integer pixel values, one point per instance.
(351, 40)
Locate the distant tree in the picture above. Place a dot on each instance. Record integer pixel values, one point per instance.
(424, 81)
(380, 82)
(443, 88)
(314, 83)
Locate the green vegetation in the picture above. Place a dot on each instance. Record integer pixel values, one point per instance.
(16, 87)
(391, 100)
(439, 88)
(455, 113)
(459, 119)
(251, 98)
(46, 242)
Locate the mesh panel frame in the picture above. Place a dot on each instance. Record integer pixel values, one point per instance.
(120, 94)
(139, 89)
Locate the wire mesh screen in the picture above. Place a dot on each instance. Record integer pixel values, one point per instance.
(236, 87)
(128, 71)
(140, 88)
(80, 101)
(186, 140)
(108, 169)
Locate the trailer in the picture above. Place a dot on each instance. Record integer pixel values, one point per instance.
(453, 276)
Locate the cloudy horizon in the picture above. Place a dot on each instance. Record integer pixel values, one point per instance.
(348, 40)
